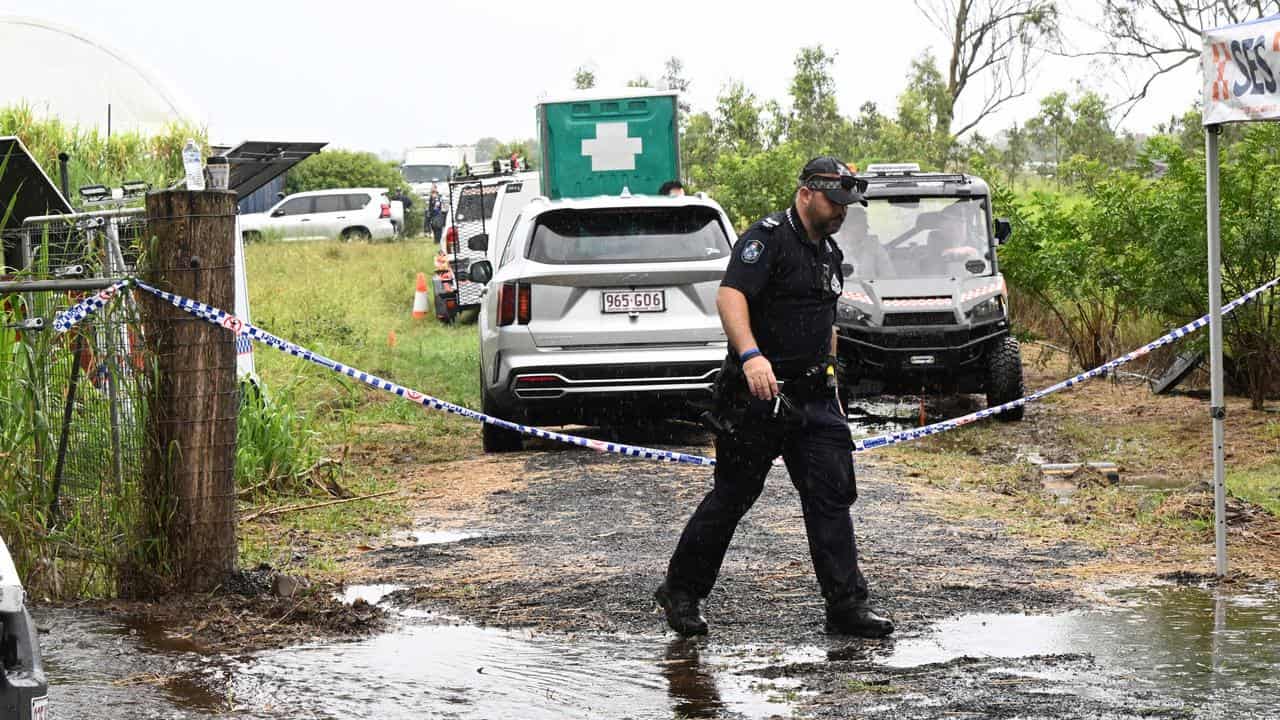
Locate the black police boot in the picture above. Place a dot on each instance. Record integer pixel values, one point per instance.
(682, 611)
(849, 617)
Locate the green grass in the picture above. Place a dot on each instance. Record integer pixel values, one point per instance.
(353, 303)
(346, 301)
(321, 535)
(1259, 485)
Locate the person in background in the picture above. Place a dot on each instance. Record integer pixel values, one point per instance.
(672, 188)
(436, 213)
(865, 253)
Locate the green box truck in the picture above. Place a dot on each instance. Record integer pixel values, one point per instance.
(599, 142)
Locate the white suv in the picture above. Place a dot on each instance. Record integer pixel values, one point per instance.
(349, 213)
(601, 310)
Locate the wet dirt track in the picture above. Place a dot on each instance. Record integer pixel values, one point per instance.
(580, 543)
(525, 591)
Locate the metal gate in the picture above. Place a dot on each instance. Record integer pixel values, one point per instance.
(74, 406)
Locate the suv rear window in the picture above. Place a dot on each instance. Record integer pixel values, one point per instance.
(614, 235)
(330, 203)
(356, 202)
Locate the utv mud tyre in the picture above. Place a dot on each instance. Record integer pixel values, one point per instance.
(1004, 378)
(493, 438)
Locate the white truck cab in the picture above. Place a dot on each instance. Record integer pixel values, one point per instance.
(424, 165)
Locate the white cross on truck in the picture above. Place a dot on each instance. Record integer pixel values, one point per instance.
(611, 149)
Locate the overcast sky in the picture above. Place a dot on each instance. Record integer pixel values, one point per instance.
(374, 76)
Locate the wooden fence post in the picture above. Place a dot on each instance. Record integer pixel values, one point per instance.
(190, 491)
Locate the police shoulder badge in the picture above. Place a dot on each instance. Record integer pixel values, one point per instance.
(751, 251)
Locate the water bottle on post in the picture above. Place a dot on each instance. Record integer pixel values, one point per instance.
(193, 165)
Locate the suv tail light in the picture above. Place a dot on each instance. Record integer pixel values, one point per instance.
(515, 304)
(507, 304)
(451, 240)
(524, 303)
(386, 211)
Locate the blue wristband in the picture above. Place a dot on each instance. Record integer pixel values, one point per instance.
(746, 355)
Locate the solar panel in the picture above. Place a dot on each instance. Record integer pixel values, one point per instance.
(25, 183)
(255, 163)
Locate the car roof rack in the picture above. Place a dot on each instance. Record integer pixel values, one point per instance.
(484, 170)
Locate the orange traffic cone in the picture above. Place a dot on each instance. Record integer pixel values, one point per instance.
(420, 298)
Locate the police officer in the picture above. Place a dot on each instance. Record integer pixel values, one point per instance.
(777, 395)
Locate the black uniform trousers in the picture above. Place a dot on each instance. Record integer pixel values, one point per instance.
(819, 457)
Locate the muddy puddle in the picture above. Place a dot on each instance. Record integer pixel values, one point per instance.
(428, 667)
(426, 536)
(99, 668)
(1194, 647)
(1188, 647)
(870, 417)
(462, 671)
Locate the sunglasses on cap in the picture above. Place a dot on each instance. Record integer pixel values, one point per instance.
(844, 182)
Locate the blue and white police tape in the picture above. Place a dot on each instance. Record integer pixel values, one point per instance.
(221, 318)
(68, 319)
(65, 321)
(906, 435)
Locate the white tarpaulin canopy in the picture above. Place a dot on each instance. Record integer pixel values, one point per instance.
(65, 73)
(1241, 66)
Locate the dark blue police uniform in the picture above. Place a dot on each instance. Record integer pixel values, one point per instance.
(791, 284)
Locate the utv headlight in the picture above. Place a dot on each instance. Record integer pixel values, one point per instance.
(851, 315)
(990, 309)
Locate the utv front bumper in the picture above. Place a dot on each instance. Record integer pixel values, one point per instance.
(908, 358)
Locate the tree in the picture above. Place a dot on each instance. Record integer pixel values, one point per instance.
(1049, 128)
(1078, 258)
(584, 79)
(922, 113)
(738, 120)
(992, 43)
(1078, 128)
(673, 79)
(1173, 231)
(1016, 152)
(638, 81)
(527, 149)
(698, 149)
(343, 168)
(875, 137)
(1157, 37)
(486, 149)
(815, 117)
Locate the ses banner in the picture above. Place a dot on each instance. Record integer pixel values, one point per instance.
(1241, 66)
